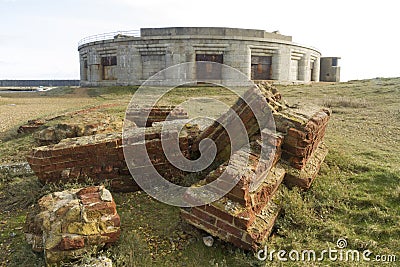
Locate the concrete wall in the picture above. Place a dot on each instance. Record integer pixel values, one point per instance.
(330, 70)
(34, 83)
(138, 58)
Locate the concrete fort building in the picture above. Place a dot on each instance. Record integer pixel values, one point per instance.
(130, 58)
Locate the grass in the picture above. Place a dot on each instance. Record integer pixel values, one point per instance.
(356, 195)
(345, 103)
(111, 91)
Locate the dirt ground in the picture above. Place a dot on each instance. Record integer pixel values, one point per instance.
(18, 108)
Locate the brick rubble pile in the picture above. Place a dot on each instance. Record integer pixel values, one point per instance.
(246, 215)
(66, 225)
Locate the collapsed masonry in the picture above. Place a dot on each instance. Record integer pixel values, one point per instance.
(100, 158)
(246, 215)
(144, 116)
(65, 225)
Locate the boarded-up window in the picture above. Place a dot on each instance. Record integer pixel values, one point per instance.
(209, 71)
(109, 61)
(261, 67)
(108, 67)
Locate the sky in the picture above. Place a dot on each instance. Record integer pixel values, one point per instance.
(39, 39)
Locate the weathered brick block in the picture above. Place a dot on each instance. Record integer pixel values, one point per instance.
(231, 222)
(302, 139)
(304, 177)
(60, 226)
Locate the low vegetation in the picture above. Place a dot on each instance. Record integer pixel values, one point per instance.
(355, 197)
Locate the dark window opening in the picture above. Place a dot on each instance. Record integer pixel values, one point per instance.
(261, 67)
(85, 65)
(109, 61)
(334, 62)
(312, 73)
(209, 71)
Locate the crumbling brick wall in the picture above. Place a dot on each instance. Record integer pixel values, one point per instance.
(246, 215)
(101, 158)
(146, 116)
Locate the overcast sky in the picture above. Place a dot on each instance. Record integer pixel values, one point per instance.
(38, 39)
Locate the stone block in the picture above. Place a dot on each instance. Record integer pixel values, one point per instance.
(58, 225)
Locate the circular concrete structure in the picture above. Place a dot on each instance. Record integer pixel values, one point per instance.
(130, 58)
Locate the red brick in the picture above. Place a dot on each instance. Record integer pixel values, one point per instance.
(88, 190)
(199, 223)
(220, 214)
(72, 243)
(203, 216)
(229, 228)
(296, 133)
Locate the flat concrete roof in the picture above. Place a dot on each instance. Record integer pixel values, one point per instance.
(211, 31)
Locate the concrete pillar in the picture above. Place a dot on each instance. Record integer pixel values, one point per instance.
(246, 66)
(190, 56)
(94, 65)
(136, 66)
(238, 56)
(128, 69)
(83, 70)
(177, 53)
(284, 64)
(317, 68)
(304, 68)
(170, 56)
(276, 65)
(95, 73)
